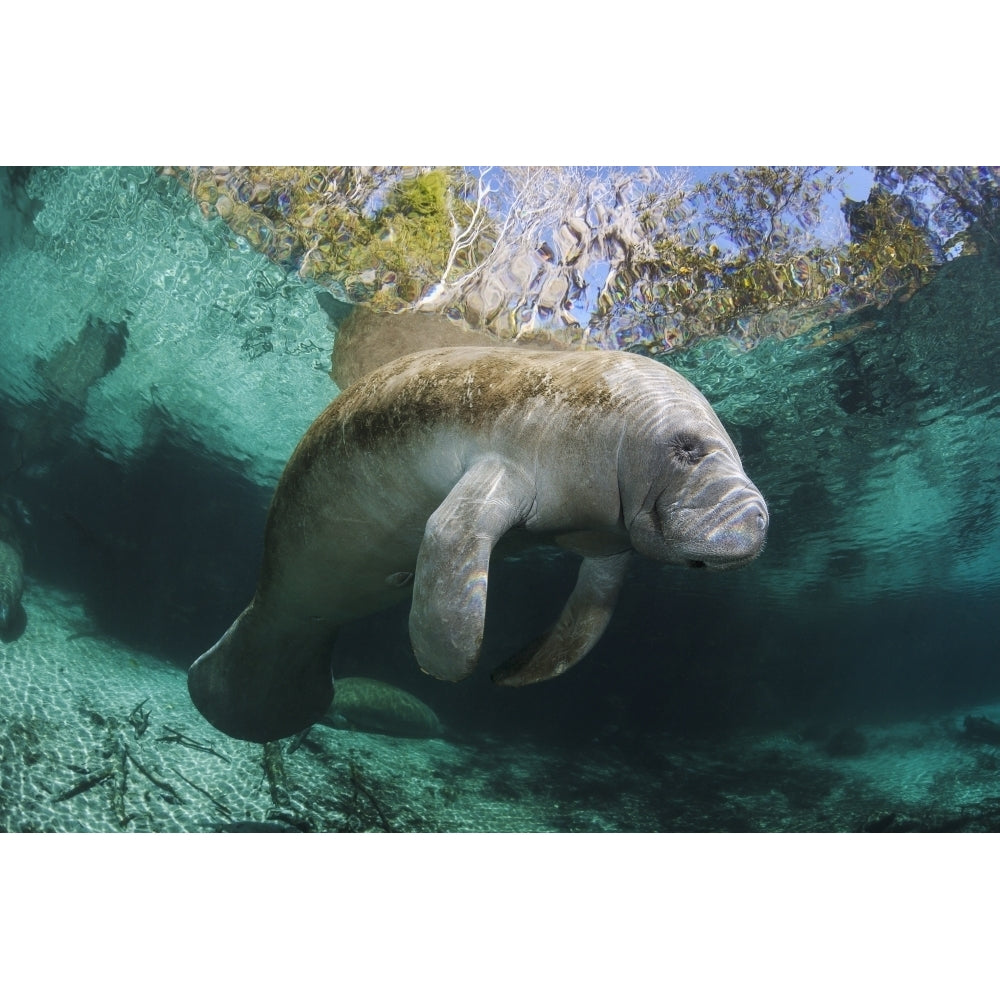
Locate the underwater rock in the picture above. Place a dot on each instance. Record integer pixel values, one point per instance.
(12, 617)
(375, 706)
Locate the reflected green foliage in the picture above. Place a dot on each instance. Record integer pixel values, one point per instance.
(887, 250)
(767, 218)
(376, 234)
(636, 259)
(957, 208)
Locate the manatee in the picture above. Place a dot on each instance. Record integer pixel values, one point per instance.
(368, 339)
(12, 616)
(402, 487)
(372, 705)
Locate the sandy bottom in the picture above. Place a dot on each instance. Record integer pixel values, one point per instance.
(99, 737)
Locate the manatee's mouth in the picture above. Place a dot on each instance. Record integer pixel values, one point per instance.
(717, 565)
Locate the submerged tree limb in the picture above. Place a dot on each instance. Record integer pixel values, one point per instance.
(359, 788)
(92, 779)
(274, 769)
(221, 806)
(173, 736)
(159, 782)
(139, 719)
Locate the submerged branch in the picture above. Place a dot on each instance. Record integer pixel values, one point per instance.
(173, 736)
(88, 782)
(274, 769)
(164, 785)
(221, 806)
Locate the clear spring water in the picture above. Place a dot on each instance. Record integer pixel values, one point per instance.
(821, 686)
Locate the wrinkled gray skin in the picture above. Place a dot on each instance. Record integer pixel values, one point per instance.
(406, 482)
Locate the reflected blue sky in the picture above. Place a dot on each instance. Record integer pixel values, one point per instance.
(855, 184)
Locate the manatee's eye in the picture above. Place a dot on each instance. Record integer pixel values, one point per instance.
(687, 449)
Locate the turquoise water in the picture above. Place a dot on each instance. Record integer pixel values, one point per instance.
(156, 374)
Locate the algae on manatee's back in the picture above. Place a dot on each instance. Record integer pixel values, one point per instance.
(365, 703)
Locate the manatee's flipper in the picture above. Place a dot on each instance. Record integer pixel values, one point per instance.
(263, 681)
(580, 625)
(449, 587)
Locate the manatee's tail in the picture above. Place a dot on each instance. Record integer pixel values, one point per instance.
(260, 684)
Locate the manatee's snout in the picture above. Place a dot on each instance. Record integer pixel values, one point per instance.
(724, 526)
(739, 536)
(727, 535)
